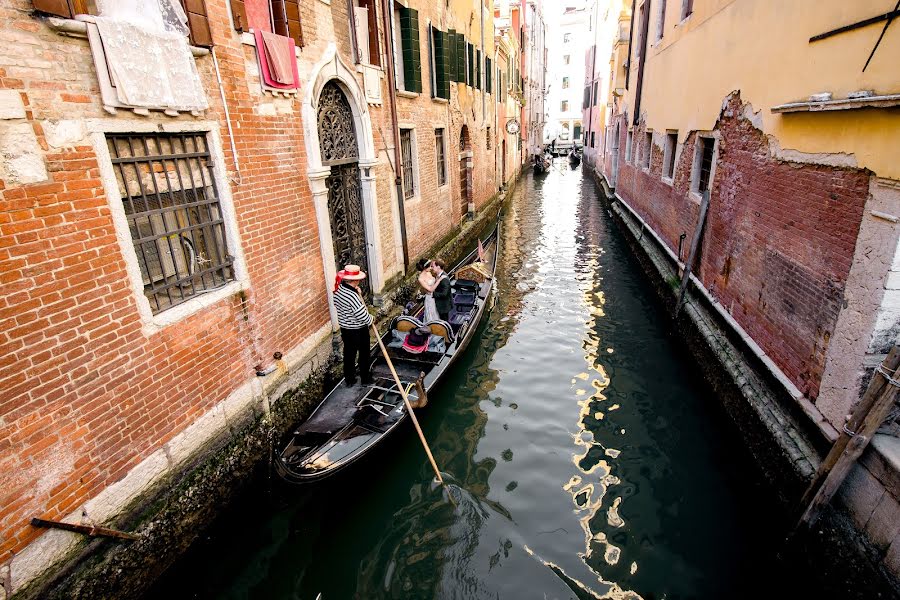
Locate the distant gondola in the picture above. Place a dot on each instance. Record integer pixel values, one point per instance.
(542, 163)
(574, 158)
(351, 421)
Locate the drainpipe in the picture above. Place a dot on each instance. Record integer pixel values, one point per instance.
(395, 127)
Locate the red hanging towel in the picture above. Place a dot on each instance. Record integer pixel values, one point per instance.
(279, 51)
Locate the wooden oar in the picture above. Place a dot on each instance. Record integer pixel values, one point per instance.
(409, 407)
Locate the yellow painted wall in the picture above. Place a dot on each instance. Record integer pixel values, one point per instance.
(762, 48)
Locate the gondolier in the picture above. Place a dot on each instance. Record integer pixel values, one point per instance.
(354, 320)
(351, 421)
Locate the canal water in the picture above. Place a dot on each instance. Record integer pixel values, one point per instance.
(585, 457)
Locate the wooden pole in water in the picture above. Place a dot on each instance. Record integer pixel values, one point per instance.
(695, 243)
(409, 407)
(867, 417)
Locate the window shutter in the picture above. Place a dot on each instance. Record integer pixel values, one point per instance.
(286, 17)
(451, 55)
(487, 74)
(374, 48)
(461, 58)
(239, 15)
(470, 73)
(59, 8)
(433, 44)
(445, 64)
(412, 59)
(478, 69)
(198, 23)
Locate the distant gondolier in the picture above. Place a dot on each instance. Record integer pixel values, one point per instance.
(354, 320)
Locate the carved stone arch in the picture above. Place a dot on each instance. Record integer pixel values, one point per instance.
(328, 75)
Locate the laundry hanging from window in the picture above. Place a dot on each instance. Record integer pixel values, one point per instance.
(145, 46)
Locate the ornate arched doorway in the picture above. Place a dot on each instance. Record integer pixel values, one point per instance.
(340, 152)
(465, 171)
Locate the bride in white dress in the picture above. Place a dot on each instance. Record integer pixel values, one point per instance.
(428, 283)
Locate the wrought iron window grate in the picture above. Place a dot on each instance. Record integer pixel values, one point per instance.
(706, 160)
(441, 157)
(409, 182)
(172, 206)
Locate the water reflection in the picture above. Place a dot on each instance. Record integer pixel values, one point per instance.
(580, 455)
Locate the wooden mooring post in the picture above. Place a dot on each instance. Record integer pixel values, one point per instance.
(695, 244)
(865, 420)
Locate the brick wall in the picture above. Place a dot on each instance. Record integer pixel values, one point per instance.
(779, 238)
(89, 392)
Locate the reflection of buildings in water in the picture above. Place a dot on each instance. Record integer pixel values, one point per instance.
(430, 541)
(589, 486)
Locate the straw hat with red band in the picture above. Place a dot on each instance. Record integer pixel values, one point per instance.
(350, 273)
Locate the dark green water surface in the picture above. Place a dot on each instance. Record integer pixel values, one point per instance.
(587, 459)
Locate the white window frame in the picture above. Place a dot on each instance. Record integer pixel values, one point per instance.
(661, 20)
(629, 146)
(695, 194)
(152, 323)
(446, 145)
(399, 73)
(670, 156)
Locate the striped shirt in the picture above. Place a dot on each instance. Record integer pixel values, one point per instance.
(351, 311)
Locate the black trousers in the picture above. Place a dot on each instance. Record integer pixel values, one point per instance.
(356, 342)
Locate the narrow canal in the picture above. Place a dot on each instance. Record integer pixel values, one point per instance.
(587, 459)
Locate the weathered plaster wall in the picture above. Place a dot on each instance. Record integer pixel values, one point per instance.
(739, 40)
(867, 325)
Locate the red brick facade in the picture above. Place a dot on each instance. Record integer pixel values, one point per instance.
(779, 237)
(90, 389)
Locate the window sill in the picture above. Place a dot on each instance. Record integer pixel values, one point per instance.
(440, 100)
(695, 197)
(178, 313)
(841, 104)
(75, 28)
(669, 181)
(363, 67)
(405, 94)
(248, 40)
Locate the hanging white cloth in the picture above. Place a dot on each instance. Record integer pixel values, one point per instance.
(148, 56)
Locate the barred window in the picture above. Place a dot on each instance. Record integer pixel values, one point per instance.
(409, 180)
(441, 156)
(172, 206)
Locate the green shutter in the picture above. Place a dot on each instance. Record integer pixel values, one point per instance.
(432, 62)
(478, 69)
(470, 72)
(445, 65)
(451, 55)
(460, 58)
(440, 82)
(487, 74)
(412, 58)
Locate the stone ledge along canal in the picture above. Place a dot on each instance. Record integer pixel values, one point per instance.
(587, 457)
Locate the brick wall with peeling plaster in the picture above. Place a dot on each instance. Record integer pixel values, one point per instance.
(783, 242)
(779, 237)
(92, 394)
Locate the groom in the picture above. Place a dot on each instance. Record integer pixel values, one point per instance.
(442, 293)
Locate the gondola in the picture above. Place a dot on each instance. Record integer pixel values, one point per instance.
(542, 163)
(574, 158)
(351, 421)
